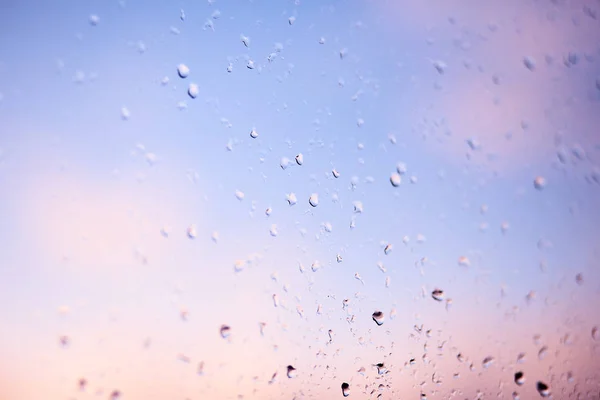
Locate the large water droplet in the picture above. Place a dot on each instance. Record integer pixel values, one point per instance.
(193, 90)
(395, 179)
(225, 331)
(378, 317)
(291, 372)
(345, 389)
(314, 200)
(183, 71)
(519, 378)
(543, 389)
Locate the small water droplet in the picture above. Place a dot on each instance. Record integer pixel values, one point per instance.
(215, 236)
(225, 331)
(543, 389)
(239, 195)
(300, 159)
(192, 231)
(343, 53)
(115, 395)
(291, 20)
(487, 362)
(395, 179)
(183, 71)
(245, 40)
(335, 173)
(268, 211)
(291, 372)
(64, 341)
(438, 294)
(250, 64)
(529, 63)
(460, 357)
(388, 249)
(322, 41)
(125, 114)
(313, 200)
(358, 207)
(193, 90)
(316, 265)
(328, 227)
(516, 396)
(345, 389)
(579, 279)
(360, 122)
(291, 199)
(542, 352)
(381, 369)
(519, 378)
(338, 258)
(378, 317)
(595, 333)
(463, 261)
(539, 182)
(440, 67)
(253, 133)
(273, 231)
(94, 20)
(230, 68)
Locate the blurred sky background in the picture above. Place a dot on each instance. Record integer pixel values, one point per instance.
(106, 162)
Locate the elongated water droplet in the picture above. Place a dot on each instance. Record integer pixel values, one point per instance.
(300, 159)
(245, 40)
(358, 207)
(314, 200)
(381, 369)
(125, 114)
(193, 90)
(388, 248)
(529, 63)
(487, 362)
(335, 173)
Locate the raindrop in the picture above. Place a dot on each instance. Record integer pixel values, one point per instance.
(273, 231)
(335, 173)
(539, 182)
(438, 294)
(115, 395)
(245, 40)
(322, 41)
(253, 133)
(216, 14)
(595, 333)
(125, 114)
(360, 122)
(314, 200)
(316, 265)
(516, 396)
(358, 207)
(440, 67)
(183, 71)
(395, 179)
(300, 159)
(250, 64)
(387, 281)
(328, 227)
(464, 261)
(381, 369)
(291, 20)
(239, 195)
(504, 227)
(225, 331)
(215, 236)
(182, 15)
(268, 211)
(460, 357)
(343, 53)
(192, 232)
(94, 20)
(529, 63)
(275, 300)
(543, 389)
(291, 372)
(378, 317)
(487, 362)
(193, 90)
(230, 67)
(543, 352)
(291, 199)
(284, 162)
(579, 279)
(519, 378)
(339, 258)
(64, 341)
(388, 249)
(345, 389)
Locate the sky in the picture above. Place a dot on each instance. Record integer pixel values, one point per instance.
(137, 220)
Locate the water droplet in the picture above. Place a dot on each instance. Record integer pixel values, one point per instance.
(215, 236)
(225, 331)
(543, 352)
(543, 389)
(115, 395)
(539, 182)
(291, 20)
(463, 261)
(291, 372)
(182, 15)
(395, 179)
(335, 173)
(378, 317)
(300, 159)
(250, 64)
(313, 200)
(579, 279)
(94, 20)
(230, 68)
(487, 362)
(388, 249)
(268, 211)
(381, 369)
(595, 333)
(183, 71)
(273, 231)
(440, 67)
(319, 309)
(343, 53)
(245, 40)
(64, 341)
(327, 226)
(519, 378)
(358, 207)
(182, 105)
(239, 265)
(460, 357)
(125, 114)
(438, 294)
(322, 41)
(360, 122)
(291, 199)
(529, 63)
(316, 265)
(338, 258)
(192, 231)
(193, 90)
(515, 396)
(345, 389)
